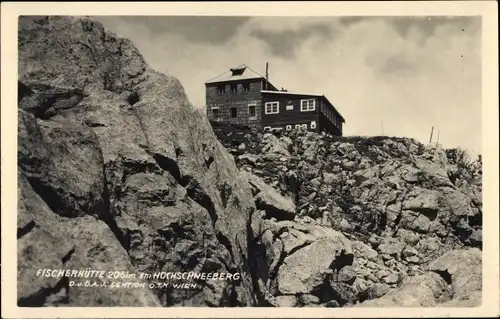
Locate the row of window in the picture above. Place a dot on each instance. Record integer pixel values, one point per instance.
(289, 127)
(270, 108)
(305, 106)
(234, 111)
(233, 88)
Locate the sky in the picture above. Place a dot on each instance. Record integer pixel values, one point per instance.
(396, 76)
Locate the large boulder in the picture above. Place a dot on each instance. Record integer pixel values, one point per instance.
(463, 270)
(269, 199)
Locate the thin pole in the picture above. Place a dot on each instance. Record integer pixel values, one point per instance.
(267, 74)
(432, 131)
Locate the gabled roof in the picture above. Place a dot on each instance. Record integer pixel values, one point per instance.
(241, 72)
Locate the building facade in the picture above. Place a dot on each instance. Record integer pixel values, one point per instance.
(242, 96)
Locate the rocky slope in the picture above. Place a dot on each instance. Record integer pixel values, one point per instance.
(376, 217)
(118, 171)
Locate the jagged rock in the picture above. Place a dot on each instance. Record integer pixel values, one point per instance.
(377, 290)
(390, 279)
(423, 201)
(286, 301)
(407, 236)
(329, 178)
(390, 246)
(305, 270)
(476, 238)
(269, 200)
(420, 291)
(343, 293)
(417, 222)
(347, 275)
(49, 241)
(308, 299)
(362, 250)
(463, 270)
(409, 251)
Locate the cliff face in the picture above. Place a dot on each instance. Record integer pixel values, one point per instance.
(118, 172)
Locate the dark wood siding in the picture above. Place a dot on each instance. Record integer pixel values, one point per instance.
(292, 116)
(327, 126)
(330, 120)
(241, 100)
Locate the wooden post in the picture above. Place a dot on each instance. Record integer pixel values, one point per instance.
(267, 75)
(432, 131)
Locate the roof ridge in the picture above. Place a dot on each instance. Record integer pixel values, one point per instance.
(215, 77)
(255, 72)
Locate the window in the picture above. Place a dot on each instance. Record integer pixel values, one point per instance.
(298, 126)
(234, 112)
(276, 129)
(313, 124)
(215, 112)
(221, 89)
(288, 127)
(307, 105)
(237, 71)
(267, 128)
(304, 126)
(246, 86)
(289, 107)
(251, 110)
(234, 88)
(272, 108)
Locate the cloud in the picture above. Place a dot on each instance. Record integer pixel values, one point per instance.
(197, 29)
(405, 74)
(284, 42)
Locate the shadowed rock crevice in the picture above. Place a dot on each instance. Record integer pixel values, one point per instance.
(39, 298)
(21, 231)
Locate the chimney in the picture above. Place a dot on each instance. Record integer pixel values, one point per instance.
(267, 75)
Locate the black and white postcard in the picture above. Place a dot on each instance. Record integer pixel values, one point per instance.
(250, 159)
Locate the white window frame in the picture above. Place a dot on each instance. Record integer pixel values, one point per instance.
(305, 105)
(288, 127)
(267, 128)
(289, 107)
(269, 107)
(313, 124)
(304, 126)
(297, 126)
(276, 129)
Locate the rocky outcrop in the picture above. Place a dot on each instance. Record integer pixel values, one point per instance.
(119, 172)
(399, 205)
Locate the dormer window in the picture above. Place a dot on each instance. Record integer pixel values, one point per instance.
(238, 71)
